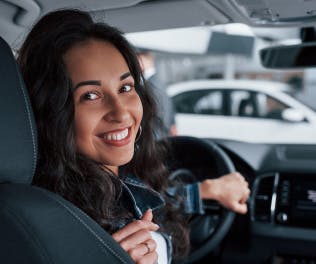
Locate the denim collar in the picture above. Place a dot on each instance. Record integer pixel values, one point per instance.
(140, 196)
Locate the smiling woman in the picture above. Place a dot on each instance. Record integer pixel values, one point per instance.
(96, 124)
(85, 87)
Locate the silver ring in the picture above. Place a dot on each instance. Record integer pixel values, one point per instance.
(148, 248)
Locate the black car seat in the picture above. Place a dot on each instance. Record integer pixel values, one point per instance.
(37, 226)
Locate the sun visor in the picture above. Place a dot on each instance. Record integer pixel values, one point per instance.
(222, 43)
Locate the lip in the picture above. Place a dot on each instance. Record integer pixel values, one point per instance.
(117, 143)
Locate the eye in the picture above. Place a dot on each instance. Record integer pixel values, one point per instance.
(89, 96)
(126, 88)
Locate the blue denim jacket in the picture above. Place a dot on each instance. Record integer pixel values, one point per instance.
(138, 197)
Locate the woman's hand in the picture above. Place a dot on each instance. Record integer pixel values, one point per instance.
(230, 190)
(136, 240)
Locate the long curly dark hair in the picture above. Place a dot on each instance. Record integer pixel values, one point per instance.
(60, 169)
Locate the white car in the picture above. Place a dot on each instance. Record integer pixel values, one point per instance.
(246, 110)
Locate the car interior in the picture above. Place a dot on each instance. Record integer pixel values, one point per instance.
(37, 226)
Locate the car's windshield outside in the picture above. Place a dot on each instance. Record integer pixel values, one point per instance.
(215, 80)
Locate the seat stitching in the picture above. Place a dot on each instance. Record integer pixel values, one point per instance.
(85, 225)
(28, 111)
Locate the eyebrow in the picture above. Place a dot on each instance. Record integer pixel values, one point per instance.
(90, 82)
(98, 83)
(125, 75)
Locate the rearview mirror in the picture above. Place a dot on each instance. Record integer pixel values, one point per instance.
(291, 56)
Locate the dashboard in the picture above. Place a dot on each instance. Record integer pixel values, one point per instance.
(281, 224)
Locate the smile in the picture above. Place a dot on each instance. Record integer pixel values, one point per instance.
(116, 136)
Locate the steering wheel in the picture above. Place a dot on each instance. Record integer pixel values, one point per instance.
(193, 159)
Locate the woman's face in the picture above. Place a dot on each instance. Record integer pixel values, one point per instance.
(108, 111)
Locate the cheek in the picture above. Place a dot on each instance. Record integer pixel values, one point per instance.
(84, 126)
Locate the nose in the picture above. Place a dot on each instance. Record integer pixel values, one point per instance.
(116, 110)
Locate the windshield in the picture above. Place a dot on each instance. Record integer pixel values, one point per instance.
(216, 83)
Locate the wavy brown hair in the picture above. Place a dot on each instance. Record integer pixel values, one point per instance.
(60, 169)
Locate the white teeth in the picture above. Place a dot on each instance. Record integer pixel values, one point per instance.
(116, 136)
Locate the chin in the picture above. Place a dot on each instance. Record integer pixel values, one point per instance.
(119, 161)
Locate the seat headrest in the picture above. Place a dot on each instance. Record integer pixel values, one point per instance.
(18, 139)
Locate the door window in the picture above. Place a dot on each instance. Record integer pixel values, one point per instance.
(200, 102)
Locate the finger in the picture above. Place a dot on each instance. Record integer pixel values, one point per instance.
(247, 191)
(237, 174)
(151, 244)
(142, 249)
(243, 199)
(150, 258)
(244, 195)
(134, 239)
(134, 227)
(242, 178)
(244, 189)
(239, 208)
(137, 252)
(148, 215)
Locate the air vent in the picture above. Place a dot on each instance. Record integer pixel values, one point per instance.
(296, 153)
(264, 188)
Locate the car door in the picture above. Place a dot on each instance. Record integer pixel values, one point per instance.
(259, 117)
(238, 114)
(203, 113)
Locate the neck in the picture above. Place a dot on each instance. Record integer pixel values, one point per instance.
(114, 169)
